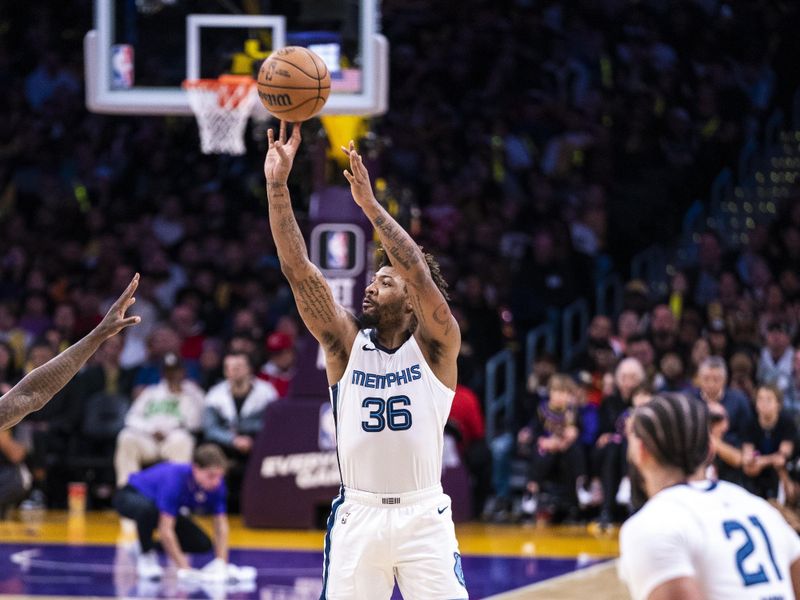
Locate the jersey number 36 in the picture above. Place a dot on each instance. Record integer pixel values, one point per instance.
(383, 413)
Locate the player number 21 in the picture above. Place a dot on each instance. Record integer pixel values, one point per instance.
(757, 575)
(387, 412)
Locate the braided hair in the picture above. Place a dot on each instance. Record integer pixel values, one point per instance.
(674, 429)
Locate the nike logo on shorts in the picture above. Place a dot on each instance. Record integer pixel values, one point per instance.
(441, 510)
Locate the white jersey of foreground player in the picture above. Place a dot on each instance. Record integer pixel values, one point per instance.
(391, 411)
(734, 544)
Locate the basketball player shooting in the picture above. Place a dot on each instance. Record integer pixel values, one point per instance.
(40, 385)
(392, 375)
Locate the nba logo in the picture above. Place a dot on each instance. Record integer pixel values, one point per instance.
(121, 66)
(338, 250)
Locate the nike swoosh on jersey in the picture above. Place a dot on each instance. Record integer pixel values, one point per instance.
(368, 349)
(441, 510)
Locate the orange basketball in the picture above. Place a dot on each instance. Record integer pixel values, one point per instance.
(293, 84)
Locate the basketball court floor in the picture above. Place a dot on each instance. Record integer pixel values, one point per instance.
(60, 555)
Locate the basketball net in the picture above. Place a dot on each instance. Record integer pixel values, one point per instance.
(222, 107)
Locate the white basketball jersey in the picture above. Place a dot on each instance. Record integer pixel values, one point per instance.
(734, 544)
(390, 412)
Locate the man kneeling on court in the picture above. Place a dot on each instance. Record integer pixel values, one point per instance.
(162, 496)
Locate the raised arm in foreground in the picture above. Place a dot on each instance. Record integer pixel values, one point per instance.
(437, 329)
(40, 385)
(328, 322)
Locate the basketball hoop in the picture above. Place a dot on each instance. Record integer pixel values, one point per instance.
(222, 107)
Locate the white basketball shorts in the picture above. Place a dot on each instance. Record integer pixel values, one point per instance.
(373, 539)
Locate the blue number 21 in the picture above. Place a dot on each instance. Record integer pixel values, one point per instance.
(758, 575)
(383, 412)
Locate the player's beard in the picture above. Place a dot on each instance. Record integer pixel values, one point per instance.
(383, 316)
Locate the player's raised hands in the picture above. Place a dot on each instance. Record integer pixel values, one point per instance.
(115, 319)
(281, 153)
(358, 176)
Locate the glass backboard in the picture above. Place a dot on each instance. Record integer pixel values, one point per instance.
(141, 51)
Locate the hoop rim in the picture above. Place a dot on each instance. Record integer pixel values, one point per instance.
(221, 81)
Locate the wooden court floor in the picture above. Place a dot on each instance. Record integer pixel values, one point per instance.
(590, 570)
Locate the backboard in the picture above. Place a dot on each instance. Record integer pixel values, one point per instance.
(140, 51)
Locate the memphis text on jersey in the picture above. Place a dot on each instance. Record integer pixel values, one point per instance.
(381, 382)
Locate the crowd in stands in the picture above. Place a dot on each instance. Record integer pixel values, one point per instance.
(534, 152)
(719, 334)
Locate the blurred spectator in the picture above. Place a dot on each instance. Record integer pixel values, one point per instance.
(15, 478)
(211, 363)
(775, 364)
(712, 388)
(10, 333)
(49, 77)
(467, 425)
(9, 373)
(183, 319)
(701, 350)
(671, 376)
(234, 412)
(280, 366)
(743, 374)
(553, 451)
(640, 348)
(99, 397)
(663, 330)
(791, 401)
(627, 326)
(769, 442)
(717, 336)
(599, 335)
(161, 423)
(163, 340)
(608, 457)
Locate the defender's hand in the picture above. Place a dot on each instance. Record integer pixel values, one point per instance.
(280, 155)
(115, 319)
(358, 176)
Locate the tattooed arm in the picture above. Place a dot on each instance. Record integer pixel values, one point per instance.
(40, 385)
(328, 322)
(437, 329)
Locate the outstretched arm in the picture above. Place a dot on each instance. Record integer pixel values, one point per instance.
(437, 326)
(328, 322)
(40, 385)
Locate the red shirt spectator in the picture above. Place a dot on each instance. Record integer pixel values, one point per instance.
(467, 417)
(279, 369)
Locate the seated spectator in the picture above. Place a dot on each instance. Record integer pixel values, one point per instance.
(211, 363)
(743, 373)
(640, 348)
(9, 374)
(671, 376)
(466, 423)
(791, 400)
(161, 423)
(103, 383)
(769, 443)
(663, 330)
(554, 452)
(15, 479)
(608, 457)
(234, 413)
(775, 365)
(712, 377)
(279, 368)
(163, 340)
